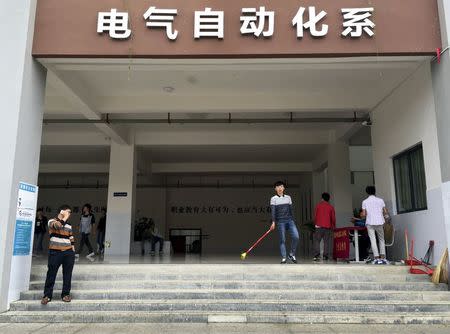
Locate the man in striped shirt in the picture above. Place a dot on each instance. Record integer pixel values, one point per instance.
(283, 219)
(61, 252)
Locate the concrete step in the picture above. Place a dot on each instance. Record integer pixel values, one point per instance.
(248, 276)
(257, 285)
(175, 306)
(225, 317)
(247, 294)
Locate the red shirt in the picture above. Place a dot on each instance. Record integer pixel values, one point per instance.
(324, 215)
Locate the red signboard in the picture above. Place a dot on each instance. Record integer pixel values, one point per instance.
(341, 243)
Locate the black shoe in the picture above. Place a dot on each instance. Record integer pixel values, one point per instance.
(142, 253)
(317, 258)
(283, 261)
(325, 258)
(292, 258)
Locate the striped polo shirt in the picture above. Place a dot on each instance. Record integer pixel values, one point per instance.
(60, 239)
(281, 208)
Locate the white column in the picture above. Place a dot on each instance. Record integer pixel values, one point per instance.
(22, 87)
(441, 84)
(339, 183)
(121, 199)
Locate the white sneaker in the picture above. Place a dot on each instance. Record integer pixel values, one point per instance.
(77, 256)
(90, 255)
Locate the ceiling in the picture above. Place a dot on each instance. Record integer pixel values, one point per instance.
(185, 154)
(146, 87)
(241, 153)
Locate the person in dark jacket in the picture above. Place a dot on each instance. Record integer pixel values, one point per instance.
(101, 229)
(40, 228)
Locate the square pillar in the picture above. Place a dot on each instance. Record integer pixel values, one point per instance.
(339, 182)
(121, 199)
(22, 84)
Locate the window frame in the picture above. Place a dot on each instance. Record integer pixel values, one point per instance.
(408, 154)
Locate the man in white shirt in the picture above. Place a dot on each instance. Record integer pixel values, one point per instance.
(375, 212)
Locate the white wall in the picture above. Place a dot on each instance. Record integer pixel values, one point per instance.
(403, 120)
(361, 158)
(229, 233)
(361, 165)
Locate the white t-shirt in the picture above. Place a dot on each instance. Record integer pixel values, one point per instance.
(374, 210)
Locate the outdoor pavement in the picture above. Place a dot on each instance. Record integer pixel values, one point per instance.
(217, 329)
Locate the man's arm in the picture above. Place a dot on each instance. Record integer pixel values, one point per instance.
(272, 209)
(364, 211)
(333, 218)
(56, 224)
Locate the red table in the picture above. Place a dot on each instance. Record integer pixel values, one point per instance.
(341, 242)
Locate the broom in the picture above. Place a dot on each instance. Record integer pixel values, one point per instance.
(440, 274)
(244, 255)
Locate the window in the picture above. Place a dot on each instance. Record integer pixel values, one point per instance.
(410, 185)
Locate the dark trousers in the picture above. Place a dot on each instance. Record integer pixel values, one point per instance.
(38, 240)
(85, 240)
(55, 260)
(364, 244)
(155, 240)
(319, 234)
(101, 241)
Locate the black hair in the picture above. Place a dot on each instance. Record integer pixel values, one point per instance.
(40, 210)
(65, 207)
(279, 183)
(87, 205)
(326, 197)
(370, 190)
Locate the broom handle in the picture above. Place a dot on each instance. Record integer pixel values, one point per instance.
(258, 241)
(406, 243)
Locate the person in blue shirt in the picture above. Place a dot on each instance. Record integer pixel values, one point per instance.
(283, 220)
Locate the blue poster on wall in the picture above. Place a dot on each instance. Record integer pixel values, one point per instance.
(26, 213)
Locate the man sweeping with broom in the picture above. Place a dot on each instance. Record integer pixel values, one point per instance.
(283, 220)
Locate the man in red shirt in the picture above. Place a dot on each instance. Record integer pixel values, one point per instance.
(325, 221)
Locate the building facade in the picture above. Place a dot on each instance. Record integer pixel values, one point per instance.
(187, 112)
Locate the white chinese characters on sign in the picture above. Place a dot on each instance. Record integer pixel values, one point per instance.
(208, 23)
(356, 20)
(162, 18)
(254, 22)
(314, 19)
(116, 23)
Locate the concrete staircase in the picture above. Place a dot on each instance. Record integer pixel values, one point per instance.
(201, 293)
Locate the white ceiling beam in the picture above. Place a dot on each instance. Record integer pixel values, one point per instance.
(75, 168)
(231, 167)
(77, 95)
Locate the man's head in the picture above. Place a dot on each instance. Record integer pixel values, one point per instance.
(103, 212)
(65, 211)
(87, 209)
(279, 186)
(39, 213)
(326, 197)
(360, 213)
(370, 190)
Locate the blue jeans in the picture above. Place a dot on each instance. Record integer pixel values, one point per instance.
(283, 226)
